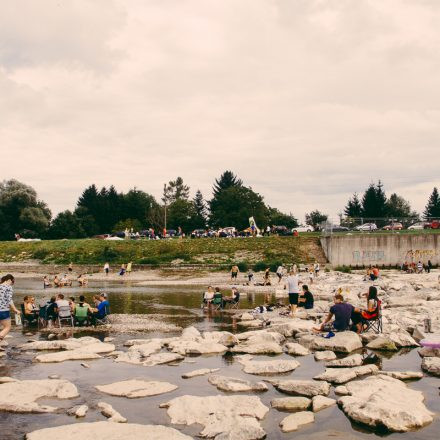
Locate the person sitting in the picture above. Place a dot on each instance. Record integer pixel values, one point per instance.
(56, 281)
(46, 282)
(341, 312)
(208, 296)
(72, 303)
(218, 298)
(30, 311)
(65, 281)
(374, 274)
(405, 267)
(61, 302)
(360, 316)
(102, 308)
(122, 270)
(81, 312)
(306, 300)
(82, 280)
(51, 314)
(233, 299)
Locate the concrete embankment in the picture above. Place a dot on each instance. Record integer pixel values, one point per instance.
(386, 250)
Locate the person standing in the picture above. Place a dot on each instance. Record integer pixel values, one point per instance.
(128, 270)
(70, 268)
(292, 286)
(106, 268)
(429, 266)
(6, 304)
(316, 269)
(280, 272)
(234, 272)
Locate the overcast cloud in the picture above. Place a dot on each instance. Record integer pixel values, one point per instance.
(306, 100)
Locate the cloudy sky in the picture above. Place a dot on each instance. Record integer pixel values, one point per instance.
(306, 100)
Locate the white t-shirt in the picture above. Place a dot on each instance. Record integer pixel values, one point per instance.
(292, 284)
(280, 270)
(62, 303)
(208, 295)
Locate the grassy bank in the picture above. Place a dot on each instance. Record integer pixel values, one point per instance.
(249, 252)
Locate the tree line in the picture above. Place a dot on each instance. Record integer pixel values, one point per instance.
(106, 210)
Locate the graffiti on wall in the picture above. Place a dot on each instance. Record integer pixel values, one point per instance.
(420, 254)
(371, 256)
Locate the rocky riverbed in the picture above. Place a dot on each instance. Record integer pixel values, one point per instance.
(250, 377)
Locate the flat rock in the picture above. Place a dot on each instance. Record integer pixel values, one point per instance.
(403, 375)
(431, 365)
(383, 343)
(7, 379)
(189, 346)
(108, 411)
(276, 366)
(343, 375)
(21, 396)
(354, 360)
(296, 349)
(253, 347)
(291, 404)
(429, 352)
(200, 372)
(81, 411)
(325, 355)
(341, 390)
(307, 388)
(236, 385)
(384, 401)
(135, 388)
(294, 421)
(69, 355)
(321, 402)
(162, 358)
(219, 415)
(147, 349)
(342, 342)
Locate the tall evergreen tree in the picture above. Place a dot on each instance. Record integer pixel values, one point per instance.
(432, 209)
(353, 208)
(200, 210)
(175, 190)
(227, 180)
(374, 202)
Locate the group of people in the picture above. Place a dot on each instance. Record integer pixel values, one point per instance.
(215, 297)
(64, 281)
(372, 273)
(124, 270)
(296, 298)
(80, 312)
(344, 316)
(416, 268)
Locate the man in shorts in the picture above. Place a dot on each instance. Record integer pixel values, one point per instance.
(292, 286)
(342, 313)
(234, 272)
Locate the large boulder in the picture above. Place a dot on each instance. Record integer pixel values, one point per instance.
(354, 360)
(222, 417)
(296, 349)
(342, 342)
(307, 388)
(384, 401)
(107, 431)
(136, 388)
(232, 384)
(382, 343)
(21, 396)
(431, 365)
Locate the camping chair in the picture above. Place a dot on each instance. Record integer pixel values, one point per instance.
(375, 323)
(42, 317)
(234, 303)
(217, 302)
(65, 314)
(81, 315)
(27, 319)
(103, 319)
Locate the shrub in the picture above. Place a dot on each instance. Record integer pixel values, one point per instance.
(344, 269)
(243, 266)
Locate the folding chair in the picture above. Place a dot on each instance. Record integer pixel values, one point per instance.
(104, 319)
(65, 314)
(374, 324)
(234, 303)
(217, 302)
(42, 317)
(81, 315)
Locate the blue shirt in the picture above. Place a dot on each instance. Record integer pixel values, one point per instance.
(102, 308)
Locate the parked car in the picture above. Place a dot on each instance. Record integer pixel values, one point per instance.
(281, 230)
(303, 228)
(198, 233)
(396, 226)
(171, 233)
(435, 224)
(335, 228)
(229, 231)
(366, 227)
(420, 225)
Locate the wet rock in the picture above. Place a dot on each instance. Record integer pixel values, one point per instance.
(291, 404)
(343, 375)
(383, 401)
(320, 402)
(186, 347)
(341, 390)
(135, 388)
(256, 323)
(200, 372)
(402, 339)
(307, 388)
(81, 411)
(403, 375)
(269, 367)
(429, 352)
(84, 365)
(21, 396)
(292, 327)
(223, 338)
(69, 355)
(51, 336)
(343, 342)
(431, 365)
(107, 431)
(54, 376)
(354, 360)
(246, 317)
(131, 342)
(324, 355)
(108, 339)
(191, 333)
(129, 357)
(147, 349)
(162, 358)
(108, 411)
(259, 343)
(232, 384)
(296, 349)
(219, 415)
(261, 336)
(93, 344)
(7, 379)
(383, 343)
(295, 421)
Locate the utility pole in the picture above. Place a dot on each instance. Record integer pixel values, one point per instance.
(165, 204)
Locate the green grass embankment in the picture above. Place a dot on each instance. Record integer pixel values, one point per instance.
(249, 252)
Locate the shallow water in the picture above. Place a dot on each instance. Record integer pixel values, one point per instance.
(182, 306)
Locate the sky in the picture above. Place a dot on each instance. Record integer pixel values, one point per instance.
(308, 101)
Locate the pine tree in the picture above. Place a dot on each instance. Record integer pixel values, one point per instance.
(227, 180)
(374, 202)
(354, 207)
(432, 209)
(200, 209)
(175, 190)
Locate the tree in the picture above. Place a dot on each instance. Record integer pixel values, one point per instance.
(374, 202)
(128, 223)
(399, 208)
(233, 207)
(432, 209)
(66, 225)
(353, 208)
(227, 180)
(200, 209)
(276, 217)
(315, 218)
(175, 190)
(183, 213)
(21, 212)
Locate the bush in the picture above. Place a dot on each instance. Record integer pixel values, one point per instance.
(243, 267)
(344, 269)
(153, 261)
(260, 266)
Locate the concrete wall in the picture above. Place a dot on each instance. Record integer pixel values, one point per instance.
(386, 249)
